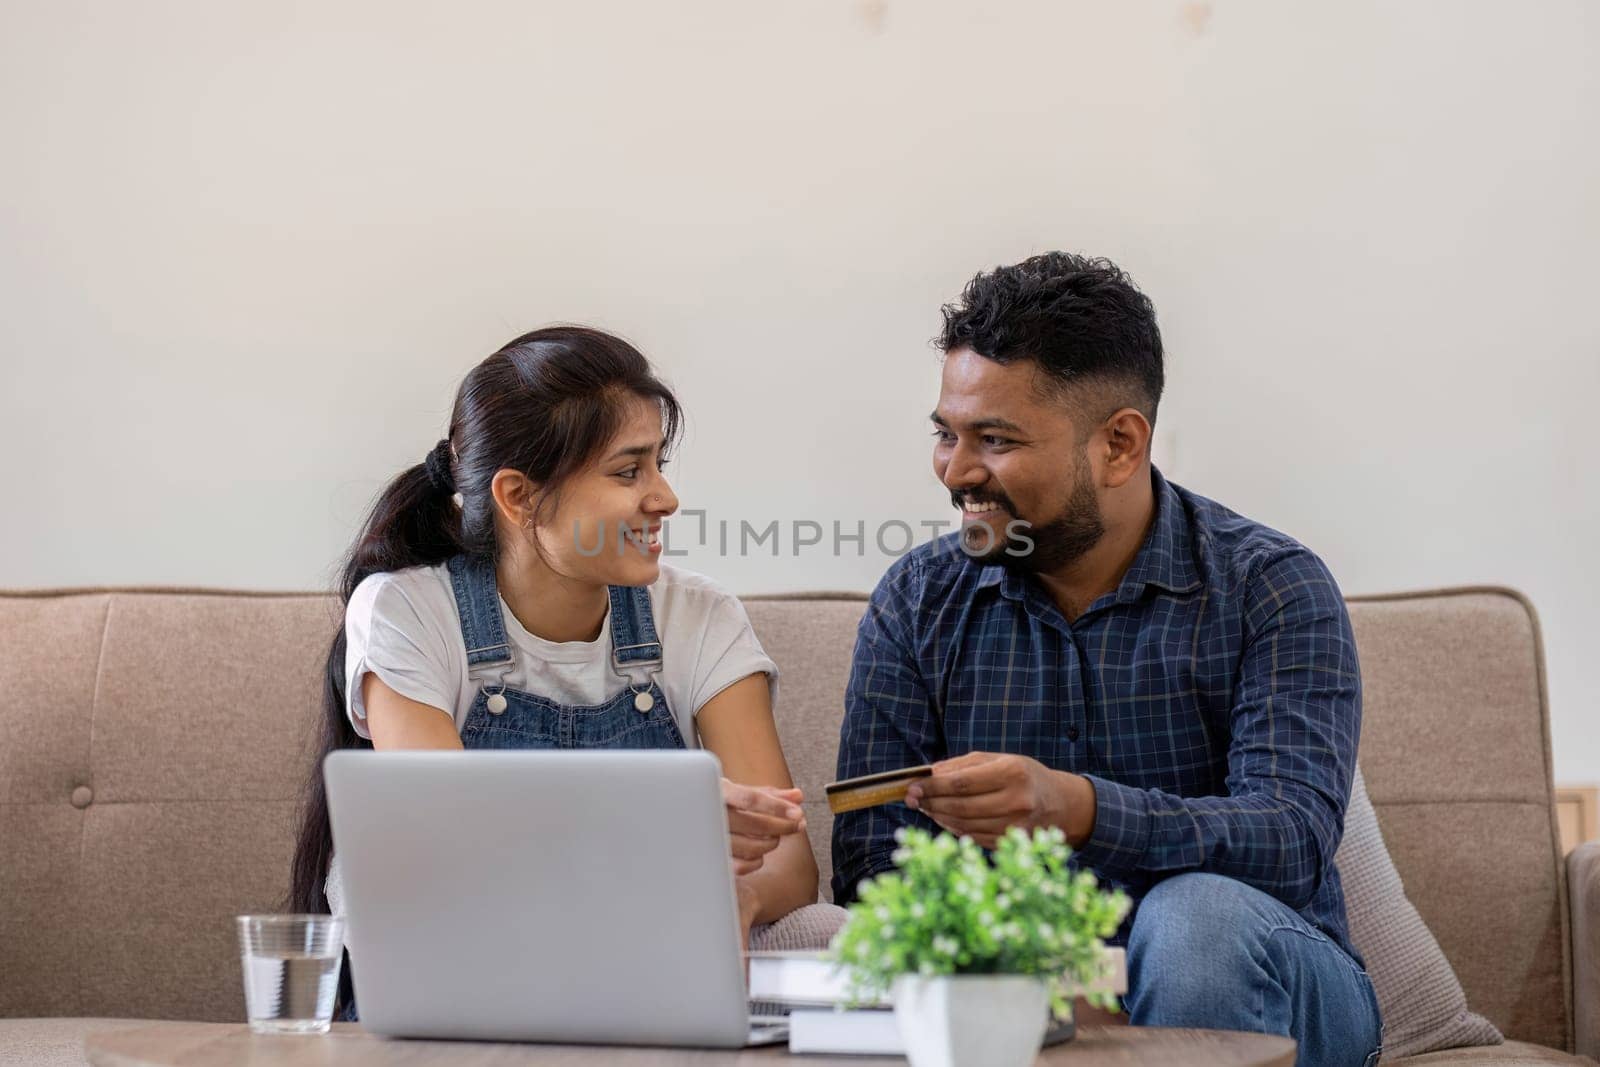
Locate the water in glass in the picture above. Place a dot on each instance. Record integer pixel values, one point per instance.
(291, 971)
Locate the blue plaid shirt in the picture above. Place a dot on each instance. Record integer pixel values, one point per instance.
(1213, 699)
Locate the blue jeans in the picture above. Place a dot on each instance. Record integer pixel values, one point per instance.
(1209, 951)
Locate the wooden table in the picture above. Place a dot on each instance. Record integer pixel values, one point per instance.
(233, 1045)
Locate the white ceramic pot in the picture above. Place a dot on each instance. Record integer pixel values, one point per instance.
(971, 1020)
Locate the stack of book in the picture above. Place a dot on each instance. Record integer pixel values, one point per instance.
(815, 995)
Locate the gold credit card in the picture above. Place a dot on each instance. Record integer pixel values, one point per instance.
(870, 790)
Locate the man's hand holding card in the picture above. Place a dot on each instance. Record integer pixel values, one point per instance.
(980, 794)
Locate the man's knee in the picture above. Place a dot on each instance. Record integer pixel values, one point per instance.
(1193, 911)
(1193, 950)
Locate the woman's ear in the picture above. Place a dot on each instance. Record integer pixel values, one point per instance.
(516, 497)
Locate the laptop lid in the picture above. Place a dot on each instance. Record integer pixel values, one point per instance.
(543, 896)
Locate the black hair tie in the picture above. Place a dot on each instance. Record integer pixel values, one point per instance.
(438, 465)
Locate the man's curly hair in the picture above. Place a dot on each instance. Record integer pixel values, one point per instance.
(1081, 320)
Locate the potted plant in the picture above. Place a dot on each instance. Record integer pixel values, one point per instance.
(978, 954)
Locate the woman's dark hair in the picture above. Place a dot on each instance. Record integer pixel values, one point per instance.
(545, 405)
(1080, 320)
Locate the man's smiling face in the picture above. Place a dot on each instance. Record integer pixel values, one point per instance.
(1007, 447)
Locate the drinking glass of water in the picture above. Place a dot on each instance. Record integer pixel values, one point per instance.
(291, 971)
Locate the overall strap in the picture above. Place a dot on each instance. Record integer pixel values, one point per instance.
(635, 648)
(478, 603)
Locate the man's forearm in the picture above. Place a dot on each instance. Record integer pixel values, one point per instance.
(1276, 841)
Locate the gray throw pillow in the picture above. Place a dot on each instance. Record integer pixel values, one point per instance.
(807, 929)
(1419, 996)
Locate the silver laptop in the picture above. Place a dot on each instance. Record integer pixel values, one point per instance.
(541, 896)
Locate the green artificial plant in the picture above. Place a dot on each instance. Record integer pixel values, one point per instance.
(949, 909)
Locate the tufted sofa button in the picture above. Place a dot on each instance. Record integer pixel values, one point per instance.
(82, 797)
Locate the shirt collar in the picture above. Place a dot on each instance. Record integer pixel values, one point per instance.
(1165, 560)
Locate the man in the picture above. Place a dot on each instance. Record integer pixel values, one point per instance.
(1171, 684)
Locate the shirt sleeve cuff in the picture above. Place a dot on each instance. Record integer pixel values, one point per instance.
(406, 683)
(1121, 831)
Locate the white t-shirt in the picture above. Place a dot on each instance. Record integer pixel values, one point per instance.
(403, 626)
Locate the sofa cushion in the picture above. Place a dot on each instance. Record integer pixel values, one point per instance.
(1510, 1054)
(1419, 996)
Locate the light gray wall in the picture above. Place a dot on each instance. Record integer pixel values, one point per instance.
(248, 249)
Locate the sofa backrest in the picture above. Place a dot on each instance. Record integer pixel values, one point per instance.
(1455, 748)
(153, 751)
(154, 746)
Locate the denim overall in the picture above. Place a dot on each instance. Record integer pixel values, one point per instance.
(637, 717)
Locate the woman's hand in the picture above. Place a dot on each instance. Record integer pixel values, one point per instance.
(759, 816)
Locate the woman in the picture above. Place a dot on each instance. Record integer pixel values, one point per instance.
(508, 593)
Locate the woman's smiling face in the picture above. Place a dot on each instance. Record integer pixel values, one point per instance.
(605, 526)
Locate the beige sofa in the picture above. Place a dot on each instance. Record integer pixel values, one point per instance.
(153, 745)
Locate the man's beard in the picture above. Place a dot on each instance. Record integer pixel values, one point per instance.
(1059, 542)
